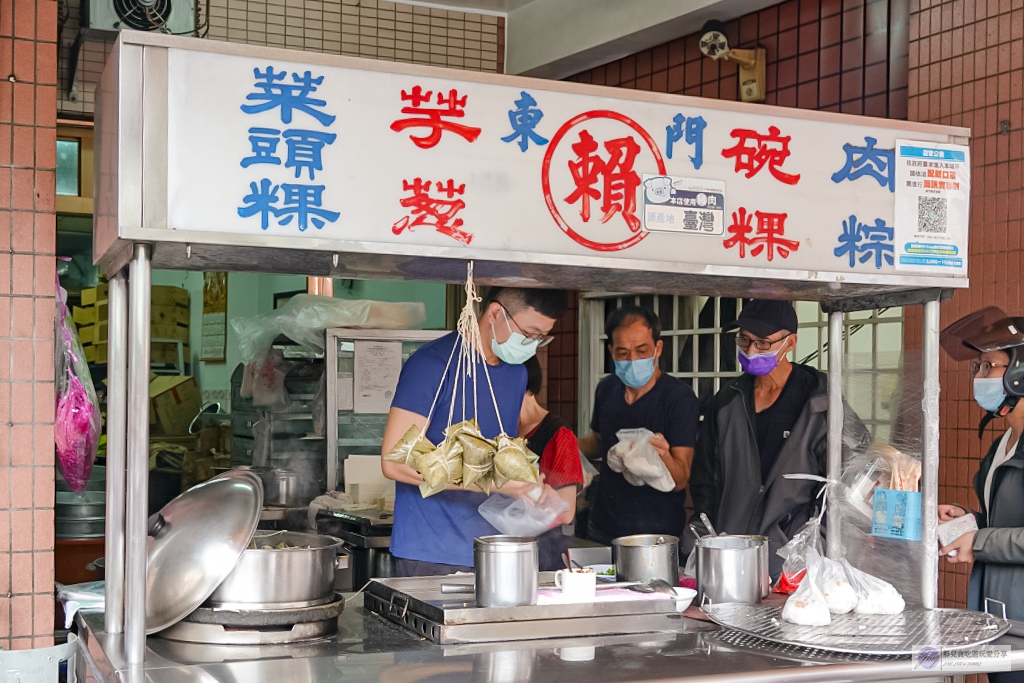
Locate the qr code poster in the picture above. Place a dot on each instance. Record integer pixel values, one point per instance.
(933, 203)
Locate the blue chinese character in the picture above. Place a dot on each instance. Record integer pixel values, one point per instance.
(303, 202)
(524, 119)
(868, 160)
(264, 147)
(288, 97)
(865, 241)
(693, 134)
(304, 150)
(261, 201)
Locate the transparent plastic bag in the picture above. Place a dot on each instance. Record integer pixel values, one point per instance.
(639, 463)
(77, 423)
(263, 381)
(836, 587)
(807, 606)
(520, 517)
(874, 596)
(305, 317)
(319, 407)
(589, 471)
(795, 553)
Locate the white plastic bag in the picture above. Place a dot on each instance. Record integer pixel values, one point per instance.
(263, 381)
(836, 587)
(807, 606)
(305, 317)
(639, 463)
(519, 517)
(874, 596)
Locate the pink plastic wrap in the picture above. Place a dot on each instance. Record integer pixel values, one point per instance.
(77, 423)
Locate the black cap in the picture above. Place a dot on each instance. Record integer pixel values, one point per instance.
(764, 318)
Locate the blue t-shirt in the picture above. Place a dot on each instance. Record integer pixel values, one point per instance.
(441, 528)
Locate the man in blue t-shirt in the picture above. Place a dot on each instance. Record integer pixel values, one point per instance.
(640, 395)
(434, 536)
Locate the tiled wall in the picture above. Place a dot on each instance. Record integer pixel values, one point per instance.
(967, 69)
(361, 28)
(28, 134)
(832, 55)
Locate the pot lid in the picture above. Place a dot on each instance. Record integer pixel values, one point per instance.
(195, 541)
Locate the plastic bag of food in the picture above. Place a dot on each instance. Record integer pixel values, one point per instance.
(638, 461)
(836, 587)
(77, 423)
(794, 555)
(874, 596)
(807, 606)
(522, 517)
(263, 381)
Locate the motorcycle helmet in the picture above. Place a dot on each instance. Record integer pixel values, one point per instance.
(990, 329)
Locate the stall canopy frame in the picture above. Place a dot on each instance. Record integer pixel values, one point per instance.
(132, 236)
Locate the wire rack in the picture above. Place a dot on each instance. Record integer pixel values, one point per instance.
(868, 634)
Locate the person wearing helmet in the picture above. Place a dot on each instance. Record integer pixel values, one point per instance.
(993, 342)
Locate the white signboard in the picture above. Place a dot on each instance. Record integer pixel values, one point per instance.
(260, 146)
(377, 367)
(933, 205)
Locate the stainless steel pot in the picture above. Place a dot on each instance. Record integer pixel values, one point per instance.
(286, 578)
(732, 569)
(281, 488)
(506, 570)
(85, 505)
(646, 556)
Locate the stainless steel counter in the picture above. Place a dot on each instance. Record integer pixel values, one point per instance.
(368, 649)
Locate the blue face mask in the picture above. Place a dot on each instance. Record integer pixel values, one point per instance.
(635, 373)
(988, 393)
(515, 350)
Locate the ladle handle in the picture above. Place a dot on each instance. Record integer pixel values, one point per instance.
(448, 588)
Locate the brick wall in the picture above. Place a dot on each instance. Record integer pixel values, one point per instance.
(376, 29)
(28, 134)
(967, 69)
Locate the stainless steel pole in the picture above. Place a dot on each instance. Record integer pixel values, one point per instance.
(834, 468)
(930, 457)
(138, 454)
(117, 402)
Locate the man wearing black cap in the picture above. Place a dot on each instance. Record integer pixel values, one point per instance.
(770, 421)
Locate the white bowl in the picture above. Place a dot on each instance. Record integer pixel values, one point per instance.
(684, 596)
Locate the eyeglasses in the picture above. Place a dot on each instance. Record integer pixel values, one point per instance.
(745, 342)
(981, 368)
(540, 339)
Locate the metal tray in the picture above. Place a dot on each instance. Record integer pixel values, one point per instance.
(869, 634)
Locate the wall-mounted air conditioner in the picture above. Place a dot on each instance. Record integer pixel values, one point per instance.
(166, 16)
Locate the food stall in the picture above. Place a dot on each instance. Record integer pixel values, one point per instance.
(216, 156)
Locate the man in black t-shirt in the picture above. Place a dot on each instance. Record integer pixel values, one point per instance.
(640, 395)
(770, 421)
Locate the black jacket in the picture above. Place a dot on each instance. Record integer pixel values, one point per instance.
(999, 544)
(725, 481)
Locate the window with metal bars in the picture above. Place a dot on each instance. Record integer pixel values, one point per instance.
(698, 351)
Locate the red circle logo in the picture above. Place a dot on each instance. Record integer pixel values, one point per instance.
(604, 177)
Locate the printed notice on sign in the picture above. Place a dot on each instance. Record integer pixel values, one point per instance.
(692, 206)
(377, 366)
(933, 191)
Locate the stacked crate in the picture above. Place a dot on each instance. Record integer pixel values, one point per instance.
(170, 312)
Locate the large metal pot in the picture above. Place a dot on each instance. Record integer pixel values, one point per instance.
(732, 569)
(646, 556)
(506, 570)
(301, 575)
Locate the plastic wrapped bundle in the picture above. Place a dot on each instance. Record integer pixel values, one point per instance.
(513, 462)
(874, 596)
(839, 593)
(77, 423)
(807, 606)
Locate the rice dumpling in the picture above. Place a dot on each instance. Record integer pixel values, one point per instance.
(513, 461)
(412, 444)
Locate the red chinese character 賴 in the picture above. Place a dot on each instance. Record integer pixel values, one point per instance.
(619, 182)
(771, 150)
(453, 106)
(436, 212)
(769, 235)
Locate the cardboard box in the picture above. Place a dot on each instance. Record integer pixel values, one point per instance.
(169, 315)
(174, 401)
(176, 332)
(93, 294)
(89, 315)
(167, 354)
(164, 295)
(95, 353)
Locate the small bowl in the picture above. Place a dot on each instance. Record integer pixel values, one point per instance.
(599, 569)
(684, 596)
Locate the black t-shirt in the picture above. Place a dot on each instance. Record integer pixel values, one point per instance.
(773, 424)
(670, 408)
